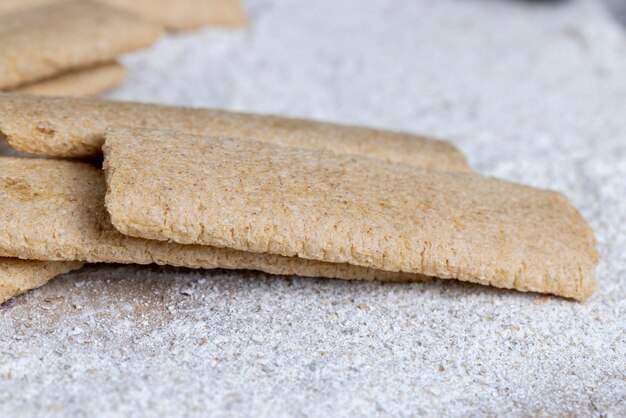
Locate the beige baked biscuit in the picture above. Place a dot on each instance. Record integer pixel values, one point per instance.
(83, 82)
(173, 14)
(187, 14)
(51, 40)
(54, 210)
(18, 276)
(10, 6)
(313, 204)
(74, 127)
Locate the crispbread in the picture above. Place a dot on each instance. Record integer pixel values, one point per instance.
(53, 39)
(173, 14)
(314, 204)
(82, 82)
(18, 276)
(10, 6)
(74, 127)
(54, 210)
(187, 14)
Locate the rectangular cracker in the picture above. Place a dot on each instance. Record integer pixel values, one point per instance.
(82, 82)
(54, 210)
(19, 276)
(318, 205)
(74, 127)
(53, 39)
(187, 14)
(173, 14)
(11, 6)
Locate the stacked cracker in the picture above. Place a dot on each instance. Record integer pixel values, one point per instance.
(212, 189)
(69, 47)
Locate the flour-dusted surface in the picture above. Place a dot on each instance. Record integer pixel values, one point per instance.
(532, 93)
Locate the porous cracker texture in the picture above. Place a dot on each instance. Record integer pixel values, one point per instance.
(75, 127)
(319, 205)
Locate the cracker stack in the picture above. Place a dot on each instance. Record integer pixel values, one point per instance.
(204, 188)
(70, 47)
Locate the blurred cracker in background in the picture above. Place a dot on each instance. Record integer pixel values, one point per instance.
(172, 14)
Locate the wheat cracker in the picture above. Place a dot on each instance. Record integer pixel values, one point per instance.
(54, 210)
(50, 40)
(173, 14)
(313, 204)
(82, 82)
(19, 276)
(74, 127)
(187, 14)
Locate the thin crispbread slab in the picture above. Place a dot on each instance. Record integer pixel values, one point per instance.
(53, 39)
(54, 210)
(74, 127)
(19, 276)
(82, 82)
(11, 6)
(318, 205)
(187, 14)
(173, 14)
